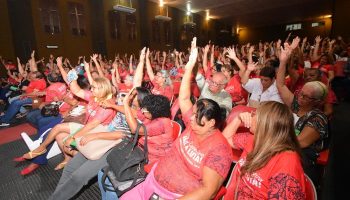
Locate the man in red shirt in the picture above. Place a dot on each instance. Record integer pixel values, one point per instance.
(37, 84)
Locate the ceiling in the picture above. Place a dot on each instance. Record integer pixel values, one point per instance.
(255, 13)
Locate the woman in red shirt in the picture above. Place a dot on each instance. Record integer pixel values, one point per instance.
(200, 158)
(270, 165)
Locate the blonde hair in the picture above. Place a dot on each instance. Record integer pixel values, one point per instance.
(105, 90)
(320, 90)
(274, 134)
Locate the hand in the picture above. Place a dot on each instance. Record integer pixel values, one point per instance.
(147, 53)
(305, 39)
(86, 66)
(331, 42)
(251, 49)
(59, 61)
(94, 57)
(206, 48)
(68, 141)
(33, 54)
(194, 51)
(142, 54)
(318, 39)
(246, 119)
(107, 104)
(295, 43)
(278, 44)
(252, 66)
(87, 138)
(231, 53)
(285, 52)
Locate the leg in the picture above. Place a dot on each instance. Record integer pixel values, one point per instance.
(67, 158)
(106, 195)
(14, 108)
(76, 174)
(33, 117)
(60, 128)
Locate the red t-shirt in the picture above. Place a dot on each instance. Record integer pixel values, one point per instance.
(159, 138)
(95, 112)
(234, 87)
(55, 90)
(39, 84)
(165, 91)
(122, 87)
(181, 170)
(281, 178)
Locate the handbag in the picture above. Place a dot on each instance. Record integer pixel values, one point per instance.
(126, 163)
(52, 109)
(95, 149)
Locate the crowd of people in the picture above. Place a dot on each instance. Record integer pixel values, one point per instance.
(289, 88)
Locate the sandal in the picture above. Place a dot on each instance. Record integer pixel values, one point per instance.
(61, 165)
(32, 154)
(28, 170)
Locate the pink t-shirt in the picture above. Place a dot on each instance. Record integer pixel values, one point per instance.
(165, 91)
(95, 112)
(281, 178)
(58, 90)
(159, 138)
(181, 171)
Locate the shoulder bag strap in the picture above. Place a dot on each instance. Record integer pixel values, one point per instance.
(145, 148)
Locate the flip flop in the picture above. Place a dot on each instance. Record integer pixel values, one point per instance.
(33, 154)
(61, 165)
(19, 159)
(29, 169)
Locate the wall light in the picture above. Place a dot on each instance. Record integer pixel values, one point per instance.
(207, 16)
(161, 3)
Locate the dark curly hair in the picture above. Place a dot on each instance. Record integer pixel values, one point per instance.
(210, 110)
(141, 94)
(157, 105)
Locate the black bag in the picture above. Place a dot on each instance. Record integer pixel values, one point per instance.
(126, 164)
(51, 109)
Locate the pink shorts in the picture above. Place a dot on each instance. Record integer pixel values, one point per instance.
(144, 190)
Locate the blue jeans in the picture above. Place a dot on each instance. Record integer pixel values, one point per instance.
(13, 109)
(106, 195)
(35, 118)
(41, 160)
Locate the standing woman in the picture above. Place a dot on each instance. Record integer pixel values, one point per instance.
(270, 165)
(96, 115)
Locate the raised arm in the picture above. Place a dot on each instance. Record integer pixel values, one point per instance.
(20, 68)
(286, 95)
(185, 87)
(163, 62)
(131, 70)
(138, 76)
(32, 63)
(232, 55)
(205, 58)
(88, 72)
(73, 85)
(212, 56)
(245, 77)
(97, 64)
(315, 56)
(149, 67)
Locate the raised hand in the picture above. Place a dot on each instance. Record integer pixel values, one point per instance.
(295, 43)
(252, 66)
(142, 54)
(285, 52)
(194, 51)
(318, 39)
(246, 119)
(147, 53)
(59, 61)
(251, 49)
(305, 39)
(206, 48)
(231, 53)
(94, 56)
(33, 54)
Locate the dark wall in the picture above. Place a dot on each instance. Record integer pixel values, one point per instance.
(341, 16)
(21, 22)
(269, 33)
(6, 47)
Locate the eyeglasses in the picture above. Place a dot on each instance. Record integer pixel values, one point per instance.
(211, 82)
(302, 95)
(144, 110)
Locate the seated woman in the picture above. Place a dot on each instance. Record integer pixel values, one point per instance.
(65, 133)
(200, 158)
(311, 125)
(161, 80)
(68, 104)
(80, 170)
(270, 165)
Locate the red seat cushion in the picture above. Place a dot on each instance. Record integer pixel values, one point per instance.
(323, 157)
